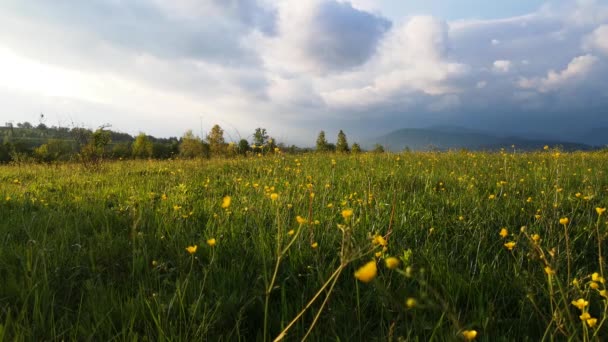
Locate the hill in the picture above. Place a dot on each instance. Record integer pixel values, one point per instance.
(445, 138)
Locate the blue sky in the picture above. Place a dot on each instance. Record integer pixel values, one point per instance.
(297, 67)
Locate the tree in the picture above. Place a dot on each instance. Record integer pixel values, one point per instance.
(121, 150)
(217, 144)
(260, 136)
(322, 145)
(243, 147)
(341, 144)
(191, 146)
(355, 148)
(142, 146)
(93, 152)
(378, 148)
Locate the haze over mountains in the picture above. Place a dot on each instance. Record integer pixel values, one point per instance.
(452, 137)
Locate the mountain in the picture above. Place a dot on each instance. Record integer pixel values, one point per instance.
(597, 136)
(447, 137)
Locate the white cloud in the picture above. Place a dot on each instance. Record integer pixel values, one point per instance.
(501, 66)
(576, 70)
(597, 40)
(412, 58)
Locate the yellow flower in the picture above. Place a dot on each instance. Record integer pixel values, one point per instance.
(347, 213)
(585, 316)
(391, 262)
(549, 270)
(504, 233)
(379, 240)
(546, 147)
(291, 232)
(300, 219)
(604, 294)
(211, 242)
(378, 254)
(411, 302)
(594, 285)
(154, 263)
(591, 322)
(469, 335)
(535, 238)
(367, 272)
(510, 245)
(314, 245)
(596, 277)
(580, 303)
(600, 211)
(226, 202)
(274, 196)
(564, 221)
(191, 249)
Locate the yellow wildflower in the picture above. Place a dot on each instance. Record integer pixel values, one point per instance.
(564, 221)
(300, 219)
(600, 211)
(367, 272)
(191, 249)
(503, 233)
(585, 316)
(535, 238)
(549, 270)
(591, 322)
(510, 245)
(379, 240)
(411, 303)
(291, 232)
(274, 196)
(594, 285)
(580, 303)
(226, 202)
(347, 213)
(314, 245)
(211, 242)
(469, 335)
(604, 294)
(596, 277)
(391, 262)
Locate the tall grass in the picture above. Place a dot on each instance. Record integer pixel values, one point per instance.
(101, 255)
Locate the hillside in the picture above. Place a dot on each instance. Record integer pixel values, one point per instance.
(445, 138)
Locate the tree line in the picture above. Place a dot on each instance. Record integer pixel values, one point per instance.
(40, 143)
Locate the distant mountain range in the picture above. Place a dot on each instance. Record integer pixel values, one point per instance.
(448, 137)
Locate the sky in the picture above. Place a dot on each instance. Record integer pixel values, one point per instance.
(296, 67)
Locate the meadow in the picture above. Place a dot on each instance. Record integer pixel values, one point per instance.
(360, 247)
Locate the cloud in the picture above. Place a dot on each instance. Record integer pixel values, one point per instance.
(575, 71)
(411, 59)
(322, 37)
(597, 40)
(501, 66)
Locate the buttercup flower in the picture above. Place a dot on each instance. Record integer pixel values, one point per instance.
(391, 262)
(469, 335)
(226, 202)
(367, 272)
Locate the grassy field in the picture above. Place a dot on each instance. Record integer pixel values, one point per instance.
(413, 246)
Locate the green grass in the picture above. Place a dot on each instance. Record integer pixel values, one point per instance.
(101, 254)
